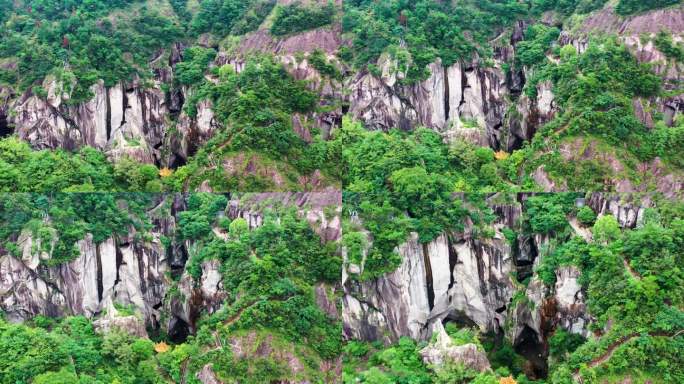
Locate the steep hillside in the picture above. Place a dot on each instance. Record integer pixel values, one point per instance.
(556, 288)
(169, 288)
(235, 95)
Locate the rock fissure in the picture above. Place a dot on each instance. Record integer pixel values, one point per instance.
(428, 277)
(100, 284)
(108, 114)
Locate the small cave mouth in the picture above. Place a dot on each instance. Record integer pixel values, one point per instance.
(5, 129)
(177, 256)
(459, 319)
(179, 331)
(534, 352)
(525, 253)
(177, 161)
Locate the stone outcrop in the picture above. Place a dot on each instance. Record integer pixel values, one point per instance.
(111, 271)
(133, 273)
(125, 119)
(571, 311)
(462, 100)
(453, 278)
(443, 351)
(628, 209)
(472, 281)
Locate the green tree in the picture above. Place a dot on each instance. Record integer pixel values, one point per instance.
(606, 229)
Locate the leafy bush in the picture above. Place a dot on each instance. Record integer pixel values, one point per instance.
(296, 17)
(563, 343)
(319, 61)
(672, 50)
(223, 17)
(548, 212)
(190, 71)
(628, 7)
(586, 215)
(538, 39)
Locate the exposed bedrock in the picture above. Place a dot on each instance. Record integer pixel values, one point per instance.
(465, 100)
(127, 272)
(476, 282)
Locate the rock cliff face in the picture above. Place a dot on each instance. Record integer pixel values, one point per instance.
(456, 277)
(128, 272)
(462, 101)
(465, 100)
(442, 350)
(112, 271)
(472, 281)
(638, 32)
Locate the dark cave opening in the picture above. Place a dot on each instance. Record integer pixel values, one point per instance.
(5, 129)
(526, 252)
(179, 331)
(534, 352)
(515, 143)
(177, 161)
(459, 319)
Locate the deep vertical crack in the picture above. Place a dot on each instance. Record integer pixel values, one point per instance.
(446, 94)
(428, 277)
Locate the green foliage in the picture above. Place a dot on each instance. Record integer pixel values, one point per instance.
(563, 343)
(567, 7)
(586, 215)
(634, 279)
(596, 93)
(48, 34)
(72, 216)
(606, 229)
(319, 61)
(236, 17)
(180, 7)
(296, 17)
(596, 90)
(87, 170)
(196, 222)
(400, 363)
(628, 7)
(429, 29)
(255, 108)
(238, 227)
(538, 39)
(672, 50)
(195, 60)
(71, 352)
(547, 213)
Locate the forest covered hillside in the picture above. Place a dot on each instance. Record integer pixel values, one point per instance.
(328, 191)
(253, 95)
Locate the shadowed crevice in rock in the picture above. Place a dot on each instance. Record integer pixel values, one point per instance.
(100, 285)
(5, 129)
(525, 253)
(534, 352)
(178, 330)
(453, 260)
(428, 277)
